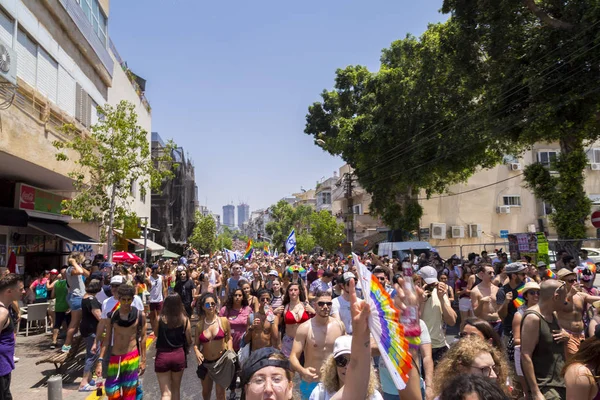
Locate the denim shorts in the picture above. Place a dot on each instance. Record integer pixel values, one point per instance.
(74, 301)
(90, 358)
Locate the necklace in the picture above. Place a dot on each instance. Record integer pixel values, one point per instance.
(209, 323)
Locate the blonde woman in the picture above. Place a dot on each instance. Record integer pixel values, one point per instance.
(472, 355)
(333, 373)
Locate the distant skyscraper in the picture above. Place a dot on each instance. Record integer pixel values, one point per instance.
(229, 215)
(243, 214)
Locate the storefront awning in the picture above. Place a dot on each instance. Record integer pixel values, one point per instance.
(13, 217)
(170, 254)
(63, 231)
(154, 248)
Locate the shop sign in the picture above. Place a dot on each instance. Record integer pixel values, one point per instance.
(34, 199)
(86, 249)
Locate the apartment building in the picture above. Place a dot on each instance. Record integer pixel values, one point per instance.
(495, 203)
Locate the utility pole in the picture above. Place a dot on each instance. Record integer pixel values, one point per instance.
(349, 182)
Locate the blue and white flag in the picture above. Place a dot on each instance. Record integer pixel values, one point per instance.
(290, 243)
(276, 253)
(231, 255)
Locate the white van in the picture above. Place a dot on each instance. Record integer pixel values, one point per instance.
(401, 250)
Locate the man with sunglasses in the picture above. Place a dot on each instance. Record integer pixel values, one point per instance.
(570, 315)
(315, 338)
(516, 273)
(483, 297)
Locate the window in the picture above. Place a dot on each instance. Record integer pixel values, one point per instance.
(547, 208)
(593, 155)
(547, 158)
(92, 11)
(513, 201)
(133, 187)
(357, 209)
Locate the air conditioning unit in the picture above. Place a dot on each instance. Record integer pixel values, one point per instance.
(8, 63)
(595, 166)
(503, 210)
(515, 166)
(438, 231)
(475, 230)
(458, 232)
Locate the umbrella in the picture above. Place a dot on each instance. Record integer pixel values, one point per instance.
(123, 256)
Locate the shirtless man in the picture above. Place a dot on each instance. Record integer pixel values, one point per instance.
(483, 297)
(570, 316)
(263, 331)
(316, 338)
(127, 359)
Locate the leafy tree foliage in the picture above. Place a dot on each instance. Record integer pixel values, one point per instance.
(224, 241)
(204, 237)
(114, 156)
(328, 233)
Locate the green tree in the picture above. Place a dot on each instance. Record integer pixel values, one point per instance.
(224, 241)
(281, 223)
(537, 65)
(305, 242)
(395, 127)
(113, 157)
(327, 232)
(203, 236)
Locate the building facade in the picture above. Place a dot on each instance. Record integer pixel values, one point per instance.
(493, 203)
(229, 216)
(243, 211)
(323, 193)
(59, 70)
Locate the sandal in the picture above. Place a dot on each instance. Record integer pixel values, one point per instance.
(87, 388)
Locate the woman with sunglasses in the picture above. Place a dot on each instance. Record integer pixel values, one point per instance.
(237, 310)
(472, 355)
(296, 311)
(333, 373)
(531, 294)
(211, 344)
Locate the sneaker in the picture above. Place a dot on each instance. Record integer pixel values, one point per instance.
(53, 346)
(66, 349)
(16, 359)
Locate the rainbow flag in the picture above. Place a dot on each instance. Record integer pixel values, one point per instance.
(266, 251)
(385, 326)
(550, 274)
(520, 300)
(249, 250)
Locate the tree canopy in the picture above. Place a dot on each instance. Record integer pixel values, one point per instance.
(204, 235)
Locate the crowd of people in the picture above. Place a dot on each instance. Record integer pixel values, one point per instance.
(295, 326)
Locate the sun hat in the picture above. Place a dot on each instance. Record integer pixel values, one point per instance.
(563, 273)
(529, 286)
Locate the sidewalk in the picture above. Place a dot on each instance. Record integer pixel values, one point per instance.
(29, 381)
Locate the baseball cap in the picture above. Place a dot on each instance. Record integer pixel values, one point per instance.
(515, 267)
(54, 271)
(154, 266)
(429, 275)
(106, 265)
(116, 280)
(273, 273)
(342, 345)
(347, 276)
(180, 268)
(563, 273)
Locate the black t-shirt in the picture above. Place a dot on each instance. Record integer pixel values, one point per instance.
(507, 322)
(89, 323)
(184, 289)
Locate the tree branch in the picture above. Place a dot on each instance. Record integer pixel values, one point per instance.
(545, 17)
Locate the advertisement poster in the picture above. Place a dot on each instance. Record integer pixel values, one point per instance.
(534, 245)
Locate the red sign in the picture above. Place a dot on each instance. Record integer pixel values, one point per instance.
(27, 198)
(596, 219)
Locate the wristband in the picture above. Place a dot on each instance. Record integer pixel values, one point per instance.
(100, 359)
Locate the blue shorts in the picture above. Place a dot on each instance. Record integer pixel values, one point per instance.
(74, 302)
(306, 389)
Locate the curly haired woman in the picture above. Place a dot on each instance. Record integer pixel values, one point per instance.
(472, 355)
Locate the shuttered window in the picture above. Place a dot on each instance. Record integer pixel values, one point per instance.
(83, 106)
(7, 27)
(47, 75)
(66, 91)
(27, 58)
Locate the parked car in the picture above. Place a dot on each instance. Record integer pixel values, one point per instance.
(593, 254)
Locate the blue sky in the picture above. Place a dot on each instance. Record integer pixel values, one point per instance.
(231, 81)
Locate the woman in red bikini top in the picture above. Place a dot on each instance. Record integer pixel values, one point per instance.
(212, 341)
(296, 311)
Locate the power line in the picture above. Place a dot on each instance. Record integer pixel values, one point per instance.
(470, 190)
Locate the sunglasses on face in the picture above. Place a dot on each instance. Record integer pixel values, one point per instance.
(324, 303)
(534, 292)
(209, 305)
(238, 295)
(342, 361)
(572, 280)
(264, 299)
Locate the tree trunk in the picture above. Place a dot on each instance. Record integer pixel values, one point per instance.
(111, 221)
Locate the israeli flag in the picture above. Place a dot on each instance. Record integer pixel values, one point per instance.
(290, 243)
(231, 255)
(276, 253)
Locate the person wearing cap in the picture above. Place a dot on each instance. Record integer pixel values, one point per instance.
(516, 273)
(531, 295)
(436, 311)
(570, 315)
(271, 276)
(483, 298)
(542, 343)
(340, 307)
(333, 373)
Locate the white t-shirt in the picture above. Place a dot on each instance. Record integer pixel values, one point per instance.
(101, 296)
(320, 391)
(156, 291)
(341, 309)
(109, 304)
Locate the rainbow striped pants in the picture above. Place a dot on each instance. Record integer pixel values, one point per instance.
(122, 376)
